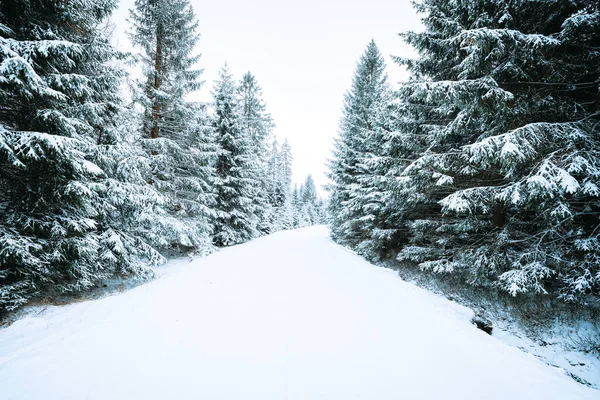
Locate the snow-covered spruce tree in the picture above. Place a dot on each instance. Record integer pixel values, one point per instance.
(307, 208)
(59, 92)
(278, 189)
(236, 164)
(309, 201)
(256, 121)
(296, 205)
(176, 132)
(285, 216)
(184, 172)
(286, 163)
(359, 164)
(281, 193)
(286, 213)
(167, 33)
(258, 126)
(301, 213)
(129, 208)
(506, 95)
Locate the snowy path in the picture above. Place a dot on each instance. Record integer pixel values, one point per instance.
(290, 316)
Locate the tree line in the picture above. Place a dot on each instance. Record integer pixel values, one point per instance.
(93, 187)
(484, 166)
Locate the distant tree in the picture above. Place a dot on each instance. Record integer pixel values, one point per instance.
(256, 121)
(286, 163)
(307, 208)
(258, 125)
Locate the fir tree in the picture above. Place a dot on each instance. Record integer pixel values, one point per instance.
(310, 201)
(256, 121)
(176, 132)
(286, 163)
(280, 175)
(132, 211)
(236, 162)
(296, 205)
(59, 91)
(504, 97)
(258, 125)
(307, 208)
(357, 170)
(276, 191)
(166, 31)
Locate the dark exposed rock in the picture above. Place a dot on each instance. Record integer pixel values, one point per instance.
(482, 323)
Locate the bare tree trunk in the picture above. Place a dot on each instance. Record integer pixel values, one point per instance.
(157, 83)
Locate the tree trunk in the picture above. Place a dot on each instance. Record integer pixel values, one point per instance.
(499, 215)
(157, 82)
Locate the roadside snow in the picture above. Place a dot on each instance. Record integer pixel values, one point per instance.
(289, 316)
(555, 352)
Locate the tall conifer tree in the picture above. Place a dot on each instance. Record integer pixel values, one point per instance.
(177, 132)
(167, 33)
(504, 97)
(59, 93)
(355, 170)
(236, 162)
(258, 125)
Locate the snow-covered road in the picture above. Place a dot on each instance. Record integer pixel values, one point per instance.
(289, 316)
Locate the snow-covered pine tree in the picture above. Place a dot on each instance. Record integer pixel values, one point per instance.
(277, 191)
(286, 163)
(307, 208)
(59, 92)
(358, 166)
(375, 219)
(236, 182)
(167, 33)
(295, 203)
(255, 119)
(258, 126)
(184, 172)
(130, 209)
(302, 217)
(506, 96)
(309, 201)
(283, 195)
(286, 215)
(176, 132)
(322, 216)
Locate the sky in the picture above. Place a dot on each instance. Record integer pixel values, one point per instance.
(303, 54)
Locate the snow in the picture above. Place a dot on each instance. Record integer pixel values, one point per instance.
(288, 316)
(552, 348)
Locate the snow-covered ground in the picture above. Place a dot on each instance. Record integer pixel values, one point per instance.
(289, 316)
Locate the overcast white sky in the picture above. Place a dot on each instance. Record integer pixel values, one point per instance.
(303, 54)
